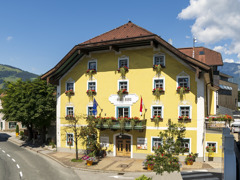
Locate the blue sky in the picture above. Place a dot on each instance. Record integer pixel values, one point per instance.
(36, 35)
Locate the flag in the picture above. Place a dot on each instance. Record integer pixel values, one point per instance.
(141, 106)
(95, 104)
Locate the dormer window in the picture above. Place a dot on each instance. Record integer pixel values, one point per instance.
(123, 62)
(92, 64)
(70, 86)
(183, 82)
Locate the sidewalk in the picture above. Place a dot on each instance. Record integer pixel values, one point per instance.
(107, 164)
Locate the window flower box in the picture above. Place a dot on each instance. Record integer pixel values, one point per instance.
(70, 117)
(182, 90)
(184, 119)
(157, 91)
(69, 92)
(91, 92)
(69, 143)
(122, 92)
(123, 70)
(211, 149)
(90, 72)
(186, 150)
(225, 118)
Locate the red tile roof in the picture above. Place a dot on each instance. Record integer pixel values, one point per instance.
(205, 55)
(128, 30)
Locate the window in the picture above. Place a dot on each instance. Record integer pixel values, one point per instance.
(157, 111)
(156, 142)
(70, 85)
(186, 145)
(90, 111)
(184, 111)
(69, 139)
(158, 83)
(70, 111)
(123, 85)
(92, 64)
(12, 125)
(122, 62)
(122, 112)
(183, 82)
(212, 144)
(159, 59)
(92, 86)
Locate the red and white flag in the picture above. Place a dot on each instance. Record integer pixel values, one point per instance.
(141, 106)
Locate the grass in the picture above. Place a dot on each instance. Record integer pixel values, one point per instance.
(77, 160)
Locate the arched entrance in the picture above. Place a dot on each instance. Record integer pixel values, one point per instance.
(123, 145)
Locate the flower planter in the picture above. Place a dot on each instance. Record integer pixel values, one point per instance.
(150, 167)
(210, 154)
(183, 89)
(157, 91)
(91, 92)
(189, 162)
(17, 134)
(89, 163)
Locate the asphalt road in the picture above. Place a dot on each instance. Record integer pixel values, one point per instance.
(20, 163)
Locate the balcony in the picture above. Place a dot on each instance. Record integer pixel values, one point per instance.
(115, 125)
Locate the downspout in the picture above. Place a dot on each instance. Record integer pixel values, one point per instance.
(205, 128)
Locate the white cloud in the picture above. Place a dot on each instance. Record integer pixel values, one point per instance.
(228, 60)
(9, 38)
(215, 20)
(187, 37)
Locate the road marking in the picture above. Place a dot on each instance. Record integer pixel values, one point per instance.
(122, 177)
(20, 173)
(18, 166)
(13, 160)
(196, 175)
(201, 170)
(3, 151)
(8, 155)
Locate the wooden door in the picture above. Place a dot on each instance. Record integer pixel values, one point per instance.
(123, 146)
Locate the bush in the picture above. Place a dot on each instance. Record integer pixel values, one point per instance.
(143, 177)
(17, 129)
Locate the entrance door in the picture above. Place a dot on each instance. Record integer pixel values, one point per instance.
(123, 145)
(1, 125)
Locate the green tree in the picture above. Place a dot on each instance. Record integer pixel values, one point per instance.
(31, 103)
(166, 155)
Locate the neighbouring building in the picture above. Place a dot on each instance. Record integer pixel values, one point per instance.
(150, 63)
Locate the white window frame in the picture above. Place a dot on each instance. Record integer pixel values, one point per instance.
(124, 106)
(152, 142)
(66, 140)
(212, 142)
(92, 81)
(87, 109)
(92, 60)
(126, 80)
(164, 58)
(190, 150)
(183, 77)
(12, 127)
(190, 109)
(157, 106)
(70, 81)
(161, 78)
(67, 110)
(121, 58)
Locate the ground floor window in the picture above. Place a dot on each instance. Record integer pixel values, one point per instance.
(69, 139)
(156, 142)
(186, 145)
(12, 125)
(211, 147)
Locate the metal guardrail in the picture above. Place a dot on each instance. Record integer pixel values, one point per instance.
(139, 125)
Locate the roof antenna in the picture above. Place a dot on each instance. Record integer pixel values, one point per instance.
(194, 41)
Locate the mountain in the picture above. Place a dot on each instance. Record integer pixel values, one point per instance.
(9, 73)
(232, 69)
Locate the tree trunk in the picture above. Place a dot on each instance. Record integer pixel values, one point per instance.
(43, 134)
(76, 147)
(30, 132)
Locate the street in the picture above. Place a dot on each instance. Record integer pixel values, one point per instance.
(19, 163)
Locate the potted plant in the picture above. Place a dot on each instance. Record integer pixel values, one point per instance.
(17, 130)
(122, 92)
(123, 70)
(190, 158)
(91, 92)
(158, 68)
(182, 90)
(157, 91)
(149, 162)
(90, 72)
(69, 92)
(90, 158)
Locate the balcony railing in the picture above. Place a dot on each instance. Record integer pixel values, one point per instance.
(115, 125)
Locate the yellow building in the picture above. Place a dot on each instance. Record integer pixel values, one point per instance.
(149, 63)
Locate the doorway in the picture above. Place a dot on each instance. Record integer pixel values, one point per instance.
(123, 145)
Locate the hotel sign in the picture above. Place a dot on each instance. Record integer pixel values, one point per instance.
(129, 99)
